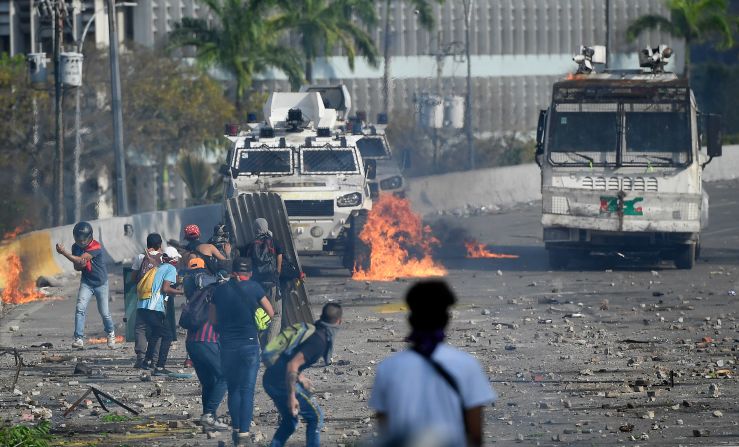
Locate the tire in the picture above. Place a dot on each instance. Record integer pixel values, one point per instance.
(685, 258)
(558, 258)
(356, 253)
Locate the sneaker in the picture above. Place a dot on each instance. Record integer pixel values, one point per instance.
(161, 372)
(139, 364)
(111, 340)
(78, 343)
(210, 423)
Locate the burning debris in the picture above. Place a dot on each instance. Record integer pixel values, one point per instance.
(101, 340)
(400, 243)
(477, 250)
(15, 292)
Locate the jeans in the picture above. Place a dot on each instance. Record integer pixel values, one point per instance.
(206, 359)
(309, 411)
(159, 333)
(83, 299)
(240, 365)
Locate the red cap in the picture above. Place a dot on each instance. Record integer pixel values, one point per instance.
(192, 231)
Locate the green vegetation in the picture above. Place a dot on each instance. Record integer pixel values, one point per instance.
(695, 21)
(199, 179)
(25, 436)
(112, 417)
(244, 42)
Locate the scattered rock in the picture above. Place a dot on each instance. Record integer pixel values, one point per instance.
(713, 390)
(718, 414)
(14, 328)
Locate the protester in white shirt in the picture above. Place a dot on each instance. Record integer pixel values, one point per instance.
(413, 400)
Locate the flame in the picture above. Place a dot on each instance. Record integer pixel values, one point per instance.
(12, 234)
(476, 250)
(14, 292)
(392, 229)
(101, 340)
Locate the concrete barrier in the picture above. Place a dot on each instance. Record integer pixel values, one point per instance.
(122, 239)
(502, 187)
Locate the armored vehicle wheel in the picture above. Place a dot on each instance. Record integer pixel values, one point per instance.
(685, 257)
(357, 253)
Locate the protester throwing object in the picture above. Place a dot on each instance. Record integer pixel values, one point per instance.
(296, 348)
(232, 313)
(87, 257)
(407, 412)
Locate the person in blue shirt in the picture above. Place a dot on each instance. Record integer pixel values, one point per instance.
(87, 257)
(152, 311)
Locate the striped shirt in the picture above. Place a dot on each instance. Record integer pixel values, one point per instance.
(206, 334)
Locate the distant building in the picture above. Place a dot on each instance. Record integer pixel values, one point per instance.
(518, 48)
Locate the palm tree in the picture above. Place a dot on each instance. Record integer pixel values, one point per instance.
(692, 20)
(244, 42)
(425, 16)
(324, 24)
(198, 177)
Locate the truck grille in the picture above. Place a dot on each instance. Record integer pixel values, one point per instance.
(309, 207)
(621, 183)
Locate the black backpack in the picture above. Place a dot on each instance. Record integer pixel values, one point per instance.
(195, 313)
(264, 257)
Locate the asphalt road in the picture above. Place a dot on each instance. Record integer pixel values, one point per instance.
(577, 357)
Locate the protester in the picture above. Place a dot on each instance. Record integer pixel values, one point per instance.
(221, 240)
(406, 408)
(232, 312)
(291, 391)
(204, 351)
(151, 311)
(150, 259)
(266, 254)
(87, 257)
(198, 249)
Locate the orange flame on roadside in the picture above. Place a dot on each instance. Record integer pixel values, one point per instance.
(477, 250)
(400, 244)
(101, 340)
(15, 292)
(12, 234)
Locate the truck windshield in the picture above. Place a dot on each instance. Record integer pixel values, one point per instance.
(265, 161)
(372, 147)
(583, 134)
(328, 161)
(656, 134)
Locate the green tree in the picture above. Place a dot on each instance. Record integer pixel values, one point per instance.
(692, 20)
(198, 177)
(244, 41)
(322, 25)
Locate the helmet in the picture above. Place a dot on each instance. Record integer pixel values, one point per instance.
(192, 231)
(82, 233)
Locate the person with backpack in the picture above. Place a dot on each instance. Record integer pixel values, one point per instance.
(266, 254)
(296, 348)
(406, 410)
(214, 259)
(221, 240)
(232, 312)
(144, 262)
(87, 257)
(154, 288)
(202, 341)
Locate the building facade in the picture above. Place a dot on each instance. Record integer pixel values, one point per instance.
(518, 49)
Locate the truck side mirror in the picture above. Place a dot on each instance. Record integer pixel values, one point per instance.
(225, 170)
(540, 135)
(713, 135)
(370, 166)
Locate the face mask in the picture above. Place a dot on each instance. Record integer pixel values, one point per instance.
(425, 342)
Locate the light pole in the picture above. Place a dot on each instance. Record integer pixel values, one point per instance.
(115, 90)
(468, 5)
(58, 202)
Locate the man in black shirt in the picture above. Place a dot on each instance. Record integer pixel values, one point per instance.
(290, 390)
(232, 311)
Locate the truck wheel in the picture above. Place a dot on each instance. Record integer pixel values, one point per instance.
(357, 253)
(685, 259)
(558, 258)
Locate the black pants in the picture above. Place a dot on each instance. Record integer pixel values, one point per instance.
(158, 330)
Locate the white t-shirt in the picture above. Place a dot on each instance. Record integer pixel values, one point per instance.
(417, 399)
(136, 264)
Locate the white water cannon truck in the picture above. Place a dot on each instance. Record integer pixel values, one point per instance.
(621, 162)
(302, 152)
